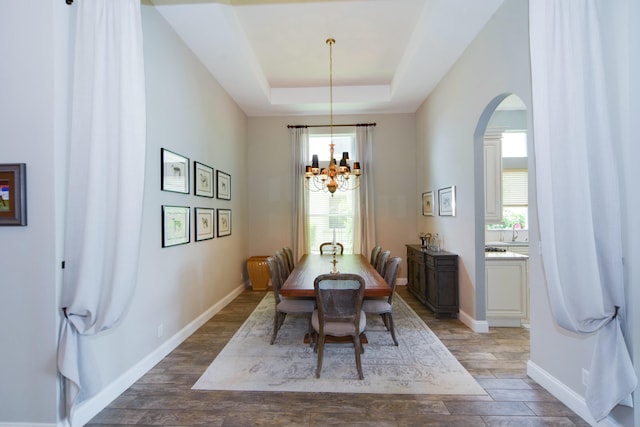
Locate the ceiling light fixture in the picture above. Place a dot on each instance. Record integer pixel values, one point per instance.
(335, 176)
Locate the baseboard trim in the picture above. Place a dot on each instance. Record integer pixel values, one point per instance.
(570, 398)
(479, 326)
(90, 408)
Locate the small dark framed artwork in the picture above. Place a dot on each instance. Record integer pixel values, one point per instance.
(447, 201)
(224, 185)
(175, 225)
(13, 194)
(175, 172)
(224, 222)
(427, 203)
(203, 179)
(204, 223)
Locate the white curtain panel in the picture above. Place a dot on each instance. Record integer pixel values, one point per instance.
(574, 90)
(299, 141)
(105, 183)
(364, 236)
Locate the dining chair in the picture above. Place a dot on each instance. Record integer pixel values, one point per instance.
(339, 313)
(384, 306)
(382, 261)
(289, 253)
(285, 305)
(284, 264)
(324, 245)
(375, 252)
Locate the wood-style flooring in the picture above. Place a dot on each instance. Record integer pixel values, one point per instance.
(163, 397)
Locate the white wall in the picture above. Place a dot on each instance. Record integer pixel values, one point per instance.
(33, 82)
(396, 203)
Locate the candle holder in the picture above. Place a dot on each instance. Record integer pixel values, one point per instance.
(334, 261)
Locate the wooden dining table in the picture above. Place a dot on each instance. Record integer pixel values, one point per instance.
(300, 281)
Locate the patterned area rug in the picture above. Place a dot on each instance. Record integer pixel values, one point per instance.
(421, 364)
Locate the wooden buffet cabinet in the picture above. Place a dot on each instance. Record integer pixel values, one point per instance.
(433, 278)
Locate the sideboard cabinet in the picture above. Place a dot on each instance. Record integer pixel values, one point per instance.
(433, 278)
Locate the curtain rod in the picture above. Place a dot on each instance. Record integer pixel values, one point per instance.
(326, 126)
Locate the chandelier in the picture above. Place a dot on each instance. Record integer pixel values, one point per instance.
(335, 176)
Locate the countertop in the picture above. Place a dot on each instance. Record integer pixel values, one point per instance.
(488, 256)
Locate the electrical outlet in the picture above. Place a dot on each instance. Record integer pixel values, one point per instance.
(585, 377)
(160, 330)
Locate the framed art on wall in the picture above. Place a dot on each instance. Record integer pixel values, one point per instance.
(175, 172)
(427, 203)
(224, 222)
(13, 194)
(224, 185)
(204, 223)
(447, 201)
(175, 225)
(203, 179)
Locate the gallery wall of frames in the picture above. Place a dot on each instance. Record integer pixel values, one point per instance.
(210, 184)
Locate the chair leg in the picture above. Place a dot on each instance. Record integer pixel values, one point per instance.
(320, 350)
(278, 320)
(391, 328)
(357, 344)
(385, 320)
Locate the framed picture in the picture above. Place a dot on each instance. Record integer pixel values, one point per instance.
(224, 222)
(447, 201)
(175, 172)
(224, 185)
(202, 179)
(204, 223)
(175, 225)
(13, 194)
(427, 203)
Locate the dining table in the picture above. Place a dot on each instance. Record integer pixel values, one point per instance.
(300, 281)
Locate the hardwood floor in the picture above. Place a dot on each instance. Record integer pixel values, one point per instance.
(163, 397)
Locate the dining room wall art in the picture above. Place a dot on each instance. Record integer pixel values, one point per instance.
(224, 185)
(174, 172)
(176, 228)
(224, 222)
(447, 201)
(13, 194)
(202, 180)
(203, 218)
(427, 203)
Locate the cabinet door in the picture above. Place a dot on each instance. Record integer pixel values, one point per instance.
(493, 177)
(506, 292)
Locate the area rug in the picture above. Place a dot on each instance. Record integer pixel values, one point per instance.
(420, 364)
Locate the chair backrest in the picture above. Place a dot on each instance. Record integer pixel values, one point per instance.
(276, 276)
(375, 252)
(284, 264)
(382, 261)
(391, 274)
(289, 253)
(329, 246)
(339, 298)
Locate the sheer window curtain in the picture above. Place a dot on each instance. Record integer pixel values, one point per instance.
(299, 141)
(575, 109)
(364, 238)
(105, 184)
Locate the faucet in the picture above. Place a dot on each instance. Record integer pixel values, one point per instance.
(514, 233)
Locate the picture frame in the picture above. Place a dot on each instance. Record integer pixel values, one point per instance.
(202, 180)
(223, 180)
(203, 219)
(427, 203)
(174, 169)
(176, 228)
(224, 222)
(13, 194)
(447, 201)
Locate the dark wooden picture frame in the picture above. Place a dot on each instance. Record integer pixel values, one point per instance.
(176, 227)
(13, 194)
(202, 180)
(203, 218)
(174, 170)
(223, 185)
(224, 222)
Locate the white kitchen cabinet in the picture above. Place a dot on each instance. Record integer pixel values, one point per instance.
(507, 289)
(493, 177)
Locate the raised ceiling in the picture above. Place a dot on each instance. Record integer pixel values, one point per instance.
(272, 59)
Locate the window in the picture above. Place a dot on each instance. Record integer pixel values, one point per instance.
(327, 213)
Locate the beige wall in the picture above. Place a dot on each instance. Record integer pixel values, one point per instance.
(269, 160)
